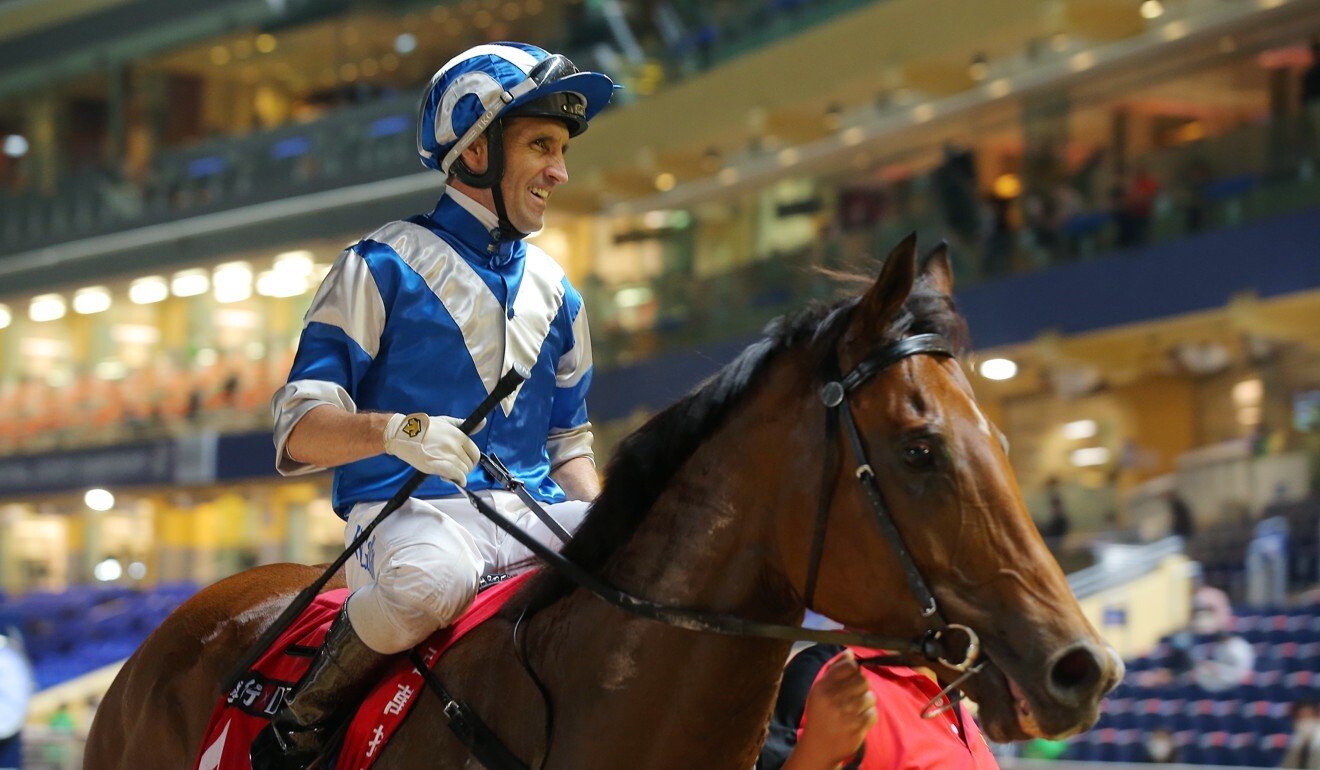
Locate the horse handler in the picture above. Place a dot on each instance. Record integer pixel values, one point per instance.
(415, 324)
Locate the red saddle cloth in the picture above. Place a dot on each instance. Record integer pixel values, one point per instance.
(245, 710)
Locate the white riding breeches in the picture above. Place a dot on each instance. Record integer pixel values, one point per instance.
(421, 567)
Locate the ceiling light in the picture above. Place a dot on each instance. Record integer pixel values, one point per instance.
(145, 291)
(1079, 429)
(298, 262)
(16, 145)
(46, 307)
(998, 369)
(99, 499)
(1248, 392)
(6, 317)
(1152, 9)
(281, 283)
(111, 369)
(108, 571)
(405, 43)
(93, 299)
(1089, 457)
(665, 181)
(232, 282)
(266, 42)
(190, 283)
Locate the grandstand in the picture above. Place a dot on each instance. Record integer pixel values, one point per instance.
(1130, 190)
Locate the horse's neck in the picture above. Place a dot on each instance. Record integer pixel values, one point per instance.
(689, 698)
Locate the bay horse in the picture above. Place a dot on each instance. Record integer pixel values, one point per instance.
(711, 506)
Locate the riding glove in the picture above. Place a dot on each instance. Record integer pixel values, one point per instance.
(432, 445)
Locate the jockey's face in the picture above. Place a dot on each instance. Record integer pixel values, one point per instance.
(534, 166)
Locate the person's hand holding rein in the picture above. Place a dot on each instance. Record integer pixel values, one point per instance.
(432, 445)
(839, 711)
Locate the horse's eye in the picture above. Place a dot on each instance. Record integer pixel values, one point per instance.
(919, 454)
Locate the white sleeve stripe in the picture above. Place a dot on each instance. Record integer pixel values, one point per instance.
(350, 301)
(566, 445)
(575, 364)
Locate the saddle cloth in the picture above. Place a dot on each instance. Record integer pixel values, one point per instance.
(245, 710)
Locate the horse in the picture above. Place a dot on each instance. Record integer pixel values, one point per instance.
(712, 505)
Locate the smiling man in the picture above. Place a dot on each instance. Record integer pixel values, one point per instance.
(412, 328)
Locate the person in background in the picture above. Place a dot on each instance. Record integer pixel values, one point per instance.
(16, 687)
(1304, 745)
(1181, 521)
(833, 712)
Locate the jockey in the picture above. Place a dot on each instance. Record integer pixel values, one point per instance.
(410, 330)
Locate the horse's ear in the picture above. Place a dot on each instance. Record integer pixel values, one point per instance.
(886, 296)
(938, 270)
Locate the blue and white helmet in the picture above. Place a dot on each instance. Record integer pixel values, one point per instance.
(488, 81)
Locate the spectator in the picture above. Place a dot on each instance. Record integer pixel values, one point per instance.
(1056, 528)
(16, 686)
(833, 713)
(1181, 522)
(1159, 747)
(1227, 660)
(1141, 195)
(1304, 745)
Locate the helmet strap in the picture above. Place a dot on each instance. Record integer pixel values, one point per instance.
(491, 178)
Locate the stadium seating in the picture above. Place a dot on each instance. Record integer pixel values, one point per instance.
(1246, 726)
(70, 633)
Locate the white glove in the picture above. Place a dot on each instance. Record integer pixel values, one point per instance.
(432, 445)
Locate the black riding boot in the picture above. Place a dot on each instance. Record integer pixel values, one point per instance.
(341, 674)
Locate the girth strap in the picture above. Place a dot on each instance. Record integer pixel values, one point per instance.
(484, 744)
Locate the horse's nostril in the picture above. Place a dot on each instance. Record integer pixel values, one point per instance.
(1075, 675)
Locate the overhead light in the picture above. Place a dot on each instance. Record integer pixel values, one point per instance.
(99, 499)
(1089, 457)
(108, 571)
(1007, 187)
(190, 283)
(232, 282)
(110, 369)
(998, 369)
(46, 307)
(1152, 9)
(135, 334)
(93, 299)
(634, 296)
(206, 357)
(137, 570)
(16, 145)
(405, 43)
(665, 181)
(145, 291)
(1079, 429)
(1248, 392)
(266, 42)
(280, 284)
(299, 262)
(6, 317)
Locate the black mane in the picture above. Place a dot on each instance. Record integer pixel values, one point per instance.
(646, 461)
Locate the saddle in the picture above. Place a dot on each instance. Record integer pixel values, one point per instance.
(244, 710)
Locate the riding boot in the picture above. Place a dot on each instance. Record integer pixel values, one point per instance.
(342, 673)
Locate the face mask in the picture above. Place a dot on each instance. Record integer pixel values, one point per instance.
(1307, 726)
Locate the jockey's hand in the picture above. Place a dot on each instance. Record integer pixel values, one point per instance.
(839, 711)
(432, 445)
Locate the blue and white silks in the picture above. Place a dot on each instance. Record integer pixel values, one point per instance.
(422, 316)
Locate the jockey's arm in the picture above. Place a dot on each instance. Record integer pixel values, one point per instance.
(329, 436)
(578, 478)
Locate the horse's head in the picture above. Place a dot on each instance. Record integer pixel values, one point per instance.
(946, 481)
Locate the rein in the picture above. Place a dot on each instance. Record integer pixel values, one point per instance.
(952, 645)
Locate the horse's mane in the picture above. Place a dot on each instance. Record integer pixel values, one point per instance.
(644, 463)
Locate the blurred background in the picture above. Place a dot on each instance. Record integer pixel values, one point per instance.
(1129, 189)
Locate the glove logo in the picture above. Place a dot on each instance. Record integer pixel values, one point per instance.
(412, 427)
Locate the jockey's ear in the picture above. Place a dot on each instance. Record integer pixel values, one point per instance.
(938, 270)
(882, 301)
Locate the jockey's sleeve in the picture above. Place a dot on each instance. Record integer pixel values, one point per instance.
(340, 338)
(570, 433)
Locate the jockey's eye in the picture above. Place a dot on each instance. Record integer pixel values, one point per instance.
(919, 454)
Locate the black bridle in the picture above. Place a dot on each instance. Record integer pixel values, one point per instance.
(952, 645)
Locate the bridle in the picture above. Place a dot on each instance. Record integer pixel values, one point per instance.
(952, 645)
(834, 395)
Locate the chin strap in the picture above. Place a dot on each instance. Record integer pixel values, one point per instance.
(490, 179)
